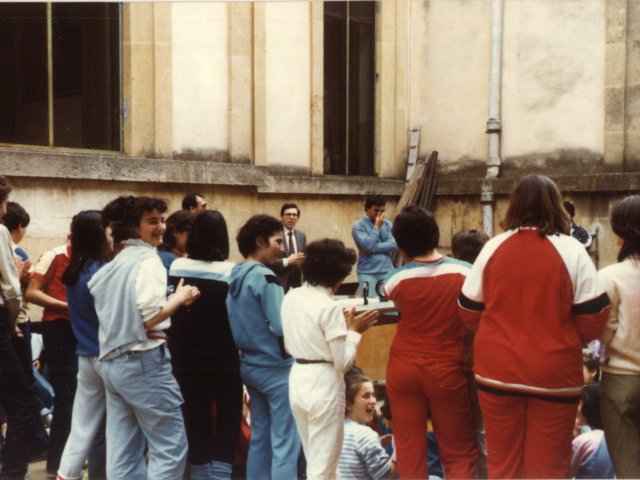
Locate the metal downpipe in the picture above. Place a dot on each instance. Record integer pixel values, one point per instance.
(494, 126)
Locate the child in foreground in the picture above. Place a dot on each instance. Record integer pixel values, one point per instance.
(363, 455)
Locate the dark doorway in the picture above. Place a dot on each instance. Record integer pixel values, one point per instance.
(349, 87)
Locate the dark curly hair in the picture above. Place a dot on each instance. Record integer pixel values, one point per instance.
(258, 226)
(466, 245)
(415, 231)
(375, 199)
(178, 221)
(124, 214)
(327, 262)
(15, 217)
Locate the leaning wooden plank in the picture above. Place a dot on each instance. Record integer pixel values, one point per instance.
(430, 181)
(412, 188)
(409, 196)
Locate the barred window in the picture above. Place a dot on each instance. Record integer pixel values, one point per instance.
(60, 75)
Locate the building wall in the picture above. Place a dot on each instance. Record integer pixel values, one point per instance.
(211, 83)
(200, 79)
(226, 98)
(553, 80)
(568, 103)
(449, 79)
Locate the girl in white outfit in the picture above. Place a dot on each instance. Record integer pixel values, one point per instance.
(323, 340)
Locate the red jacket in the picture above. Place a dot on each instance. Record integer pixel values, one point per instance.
(534, 302)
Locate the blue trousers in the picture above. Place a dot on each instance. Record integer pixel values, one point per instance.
(143, 408)
(275, 444)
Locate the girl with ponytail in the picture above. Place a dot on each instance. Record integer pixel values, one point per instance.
(91, 248)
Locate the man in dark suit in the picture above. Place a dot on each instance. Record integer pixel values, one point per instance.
(287, 268)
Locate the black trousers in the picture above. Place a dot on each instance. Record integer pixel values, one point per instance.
(206, 386)
(16, 397)
(60, 355)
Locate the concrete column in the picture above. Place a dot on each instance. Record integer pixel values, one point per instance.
(385, 118)
(615, 81)
(138, 87)
(240, 31)
(259, 85)
(163, 79)
(632, 88)
(393, 42)
(288, 85)
(317, 87)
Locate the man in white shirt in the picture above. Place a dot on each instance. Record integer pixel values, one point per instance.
(287, 267)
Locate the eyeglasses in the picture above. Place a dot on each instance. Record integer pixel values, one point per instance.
(290, 215)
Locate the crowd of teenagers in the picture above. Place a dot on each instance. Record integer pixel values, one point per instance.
(515, 356)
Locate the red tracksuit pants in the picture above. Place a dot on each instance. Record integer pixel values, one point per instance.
(527, 437)
(436, 387)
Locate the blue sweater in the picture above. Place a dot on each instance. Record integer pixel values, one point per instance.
(84, 319)
(254, 301)
(379, 242)
(113, 288)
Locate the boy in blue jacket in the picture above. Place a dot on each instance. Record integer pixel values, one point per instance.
(253, 305)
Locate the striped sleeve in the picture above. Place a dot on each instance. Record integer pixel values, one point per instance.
(375, 457)
(591, 304)
(362, 454)
(471, 300)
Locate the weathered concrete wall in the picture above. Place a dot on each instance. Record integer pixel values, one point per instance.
(458, 213)
(553, 71)
(449, 79)
(52, 203)
(553, 81)
(242, 82)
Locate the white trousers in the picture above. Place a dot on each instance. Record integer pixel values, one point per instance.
(88, 413)
(316, 394)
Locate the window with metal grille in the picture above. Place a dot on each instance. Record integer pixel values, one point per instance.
(349, 87)
(60, 75)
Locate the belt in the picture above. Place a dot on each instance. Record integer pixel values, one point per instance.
(303, 361)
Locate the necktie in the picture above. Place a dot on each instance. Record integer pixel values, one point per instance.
(291, 248)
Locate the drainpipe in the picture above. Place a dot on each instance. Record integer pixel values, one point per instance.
(494, 127)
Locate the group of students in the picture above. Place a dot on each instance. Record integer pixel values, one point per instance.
(533, 298)
(166, 356)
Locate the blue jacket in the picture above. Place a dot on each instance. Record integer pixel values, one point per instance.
(380, 242)
(84, 319)
(253, 304)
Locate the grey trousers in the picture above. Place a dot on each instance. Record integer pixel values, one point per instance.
(620, 408)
